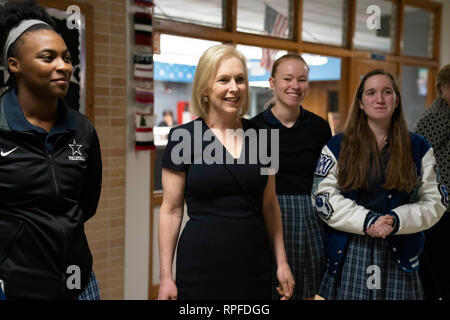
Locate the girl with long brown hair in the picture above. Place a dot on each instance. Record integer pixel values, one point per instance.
(377, 188)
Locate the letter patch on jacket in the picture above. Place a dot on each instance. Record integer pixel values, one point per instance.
(438, 173)
(442, 189)
(444, 194)
(323, 206)
(414, 194)
(316, 181)
(324, 165)
(76, 152)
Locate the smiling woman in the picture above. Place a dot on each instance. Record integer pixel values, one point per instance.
(379, 101)
(54, 153)
(228, 91)
(42, 70)
(377, 187)
(302, 135)
(225, 250)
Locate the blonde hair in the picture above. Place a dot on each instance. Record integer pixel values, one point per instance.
(288, 56)
(206, 69)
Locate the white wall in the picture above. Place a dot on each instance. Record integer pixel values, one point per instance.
(137, 197)
(445, 31)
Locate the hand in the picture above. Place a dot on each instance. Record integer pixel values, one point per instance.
(167, 290)
(382, 227)
(286, 281)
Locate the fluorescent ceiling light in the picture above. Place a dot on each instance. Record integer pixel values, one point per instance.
(263, 84)
(315, 60)
(176, 59)
(190, 54)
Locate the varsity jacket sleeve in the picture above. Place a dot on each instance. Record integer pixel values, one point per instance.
(332, 207)
(91, 193)
(430, 203)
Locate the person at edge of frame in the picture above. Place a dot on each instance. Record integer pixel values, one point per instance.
(434, 125)
(50, 165)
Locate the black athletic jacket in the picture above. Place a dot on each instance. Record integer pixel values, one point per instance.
(49, 186)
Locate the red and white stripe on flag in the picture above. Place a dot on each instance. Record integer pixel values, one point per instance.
(279, 29)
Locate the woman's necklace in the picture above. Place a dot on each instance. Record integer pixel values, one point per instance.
(382, 141)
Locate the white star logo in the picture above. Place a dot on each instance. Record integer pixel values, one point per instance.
(75, 148)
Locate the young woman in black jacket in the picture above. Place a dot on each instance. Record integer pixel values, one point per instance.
(50, 165)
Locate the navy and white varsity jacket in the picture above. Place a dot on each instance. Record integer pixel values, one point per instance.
(345, 213)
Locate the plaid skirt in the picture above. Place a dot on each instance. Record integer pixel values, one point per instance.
(92, 291)
(369, 272)
(303, 239)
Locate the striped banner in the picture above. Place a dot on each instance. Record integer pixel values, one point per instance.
(275, 25)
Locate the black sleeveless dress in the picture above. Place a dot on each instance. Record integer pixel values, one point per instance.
(223, 251)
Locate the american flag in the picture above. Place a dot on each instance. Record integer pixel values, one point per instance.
(275, 25)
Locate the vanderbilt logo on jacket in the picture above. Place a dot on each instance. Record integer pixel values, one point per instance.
(76, 153)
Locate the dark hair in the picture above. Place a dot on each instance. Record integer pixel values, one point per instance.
(11, 14)
(359, 147)
(167, 112)
(443, 78)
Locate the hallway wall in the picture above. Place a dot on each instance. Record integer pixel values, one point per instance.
(105, 231)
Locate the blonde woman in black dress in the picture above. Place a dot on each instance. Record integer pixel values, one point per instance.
(226, 248)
